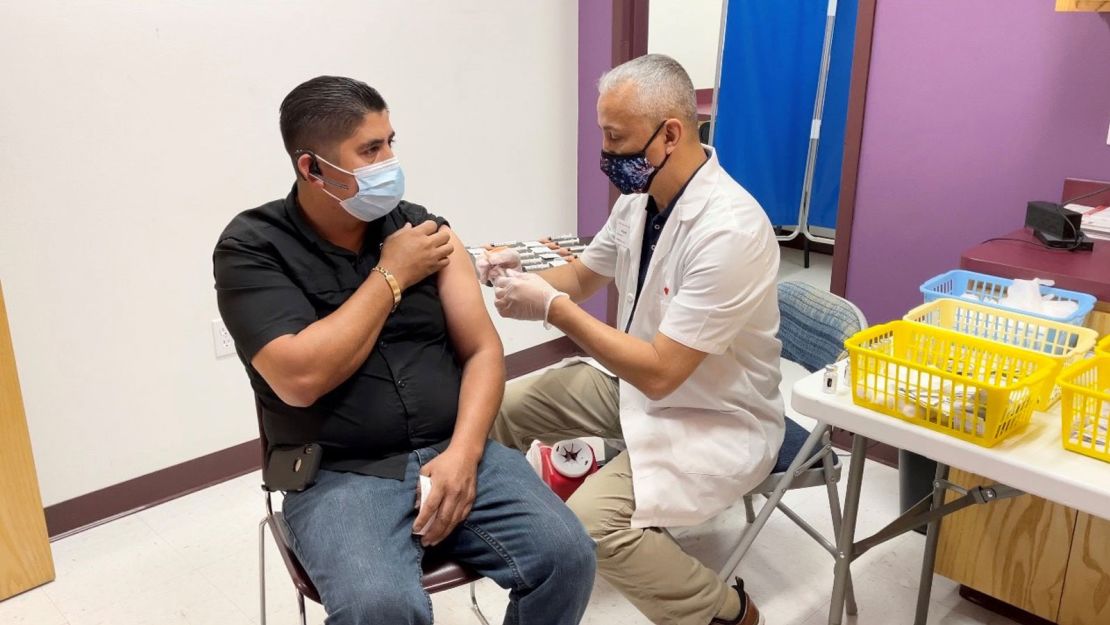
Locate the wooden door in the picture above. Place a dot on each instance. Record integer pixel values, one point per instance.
(25, 560)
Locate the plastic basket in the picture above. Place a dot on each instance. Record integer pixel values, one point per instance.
(1085, 407)
(973, 389)
(1103, 347)
(1065, 343)
(989, 290)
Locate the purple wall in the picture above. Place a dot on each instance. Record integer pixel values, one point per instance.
(973, 108)
(595, 53)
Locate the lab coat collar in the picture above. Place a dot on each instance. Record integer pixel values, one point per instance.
(696, 195)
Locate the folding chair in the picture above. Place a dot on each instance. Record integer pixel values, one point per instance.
(814, 325)
(440, 573)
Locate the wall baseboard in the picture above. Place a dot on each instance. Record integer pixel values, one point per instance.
(146, 491)
(107, 504)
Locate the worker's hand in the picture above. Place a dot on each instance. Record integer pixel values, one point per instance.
(494, 264)
(414, 253)
(454, 476)
(524, 296)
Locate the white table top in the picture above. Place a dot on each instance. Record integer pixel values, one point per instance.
(1033, 460)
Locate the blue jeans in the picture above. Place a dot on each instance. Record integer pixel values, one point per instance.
(353, 534)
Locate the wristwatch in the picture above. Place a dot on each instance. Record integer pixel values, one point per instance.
(393, 286)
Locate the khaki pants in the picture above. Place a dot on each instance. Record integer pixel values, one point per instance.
(646, 565)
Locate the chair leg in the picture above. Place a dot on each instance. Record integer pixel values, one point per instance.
(300, 608)
(749, 509)
(752, 530)
(474, 605)
(834, 509)
(262, 571)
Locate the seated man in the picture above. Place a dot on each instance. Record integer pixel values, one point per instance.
(362, 329)
(697, 402)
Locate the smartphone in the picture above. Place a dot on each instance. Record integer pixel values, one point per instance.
(292, 468)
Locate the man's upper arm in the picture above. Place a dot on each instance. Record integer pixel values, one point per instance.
(257, 300)
(468, 322)
(729, 274)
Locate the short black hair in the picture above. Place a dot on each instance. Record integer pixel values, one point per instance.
(324, 111)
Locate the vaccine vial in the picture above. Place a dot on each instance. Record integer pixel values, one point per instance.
(830, 381)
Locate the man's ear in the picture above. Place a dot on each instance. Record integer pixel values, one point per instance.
(673, 131)
(307, 168)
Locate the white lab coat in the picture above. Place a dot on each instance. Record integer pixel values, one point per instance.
(710, 285)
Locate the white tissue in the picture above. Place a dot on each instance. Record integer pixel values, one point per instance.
(425, 490)
(1026, 295)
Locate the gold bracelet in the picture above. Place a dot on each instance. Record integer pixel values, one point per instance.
(393, 286)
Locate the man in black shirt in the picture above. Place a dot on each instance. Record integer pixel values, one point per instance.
(362, 329)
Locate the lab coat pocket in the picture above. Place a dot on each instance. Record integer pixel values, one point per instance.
(708, 442)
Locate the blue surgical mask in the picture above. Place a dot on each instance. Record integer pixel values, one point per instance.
(380, 189)
(632, 173)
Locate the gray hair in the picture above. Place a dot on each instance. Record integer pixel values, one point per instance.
(663, 88)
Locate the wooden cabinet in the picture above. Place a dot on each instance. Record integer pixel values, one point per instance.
(1015, 550)
(1033, 554)
(25, 560)
(1099, 319)
(1086, 598)
(1042, 557)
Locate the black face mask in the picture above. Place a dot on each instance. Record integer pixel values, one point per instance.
(632, 173)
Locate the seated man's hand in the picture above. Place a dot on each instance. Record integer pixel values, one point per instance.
(414, 253)
(524, 296)
(454, 486)
(494, 264)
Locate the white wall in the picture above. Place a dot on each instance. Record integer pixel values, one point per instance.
(131, 132)
(689, 31)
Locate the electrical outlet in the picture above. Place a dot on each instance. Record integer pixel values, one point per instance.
(221, 339)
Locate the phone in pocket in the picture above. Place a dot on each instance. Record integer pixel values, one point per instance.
(292, 468)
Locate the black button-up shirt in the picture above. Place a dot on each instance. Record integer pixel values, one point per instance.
(653, 229)
(275, 276)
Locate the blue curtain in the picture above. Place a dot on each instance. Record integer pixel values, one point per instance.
(769, 72)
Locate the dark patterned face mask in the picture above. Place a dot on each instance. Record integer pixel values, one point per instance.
(632, 173)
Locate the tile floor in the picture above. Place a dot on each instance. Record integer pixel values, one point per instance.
(194, 561)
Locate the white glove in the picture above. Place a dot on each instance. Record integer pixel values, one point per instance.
(493, 265)
(524, 296)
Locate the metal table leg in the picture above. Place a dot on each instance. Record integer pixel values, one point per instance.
(932, 537)
(845, 541)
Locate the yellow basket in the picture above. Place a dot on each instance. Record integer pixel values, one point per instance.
(1085, 407)
(1103, 347)
(1064, 342)
(977, 390)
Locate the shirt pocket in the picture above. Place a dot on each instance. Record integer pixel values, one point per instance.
(325, 291)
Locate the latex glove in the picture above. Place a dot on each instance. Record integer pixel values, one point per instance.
(524, 296)
(495, 264)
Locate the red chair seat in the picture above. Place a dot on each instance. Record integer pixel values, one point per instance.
(440, 573)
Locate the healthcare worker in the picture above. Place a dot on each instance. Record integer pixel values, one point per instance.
(694, 360)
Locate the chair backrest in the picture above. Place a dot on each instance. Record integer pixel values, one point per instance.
(814, 324)
(261, 429)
